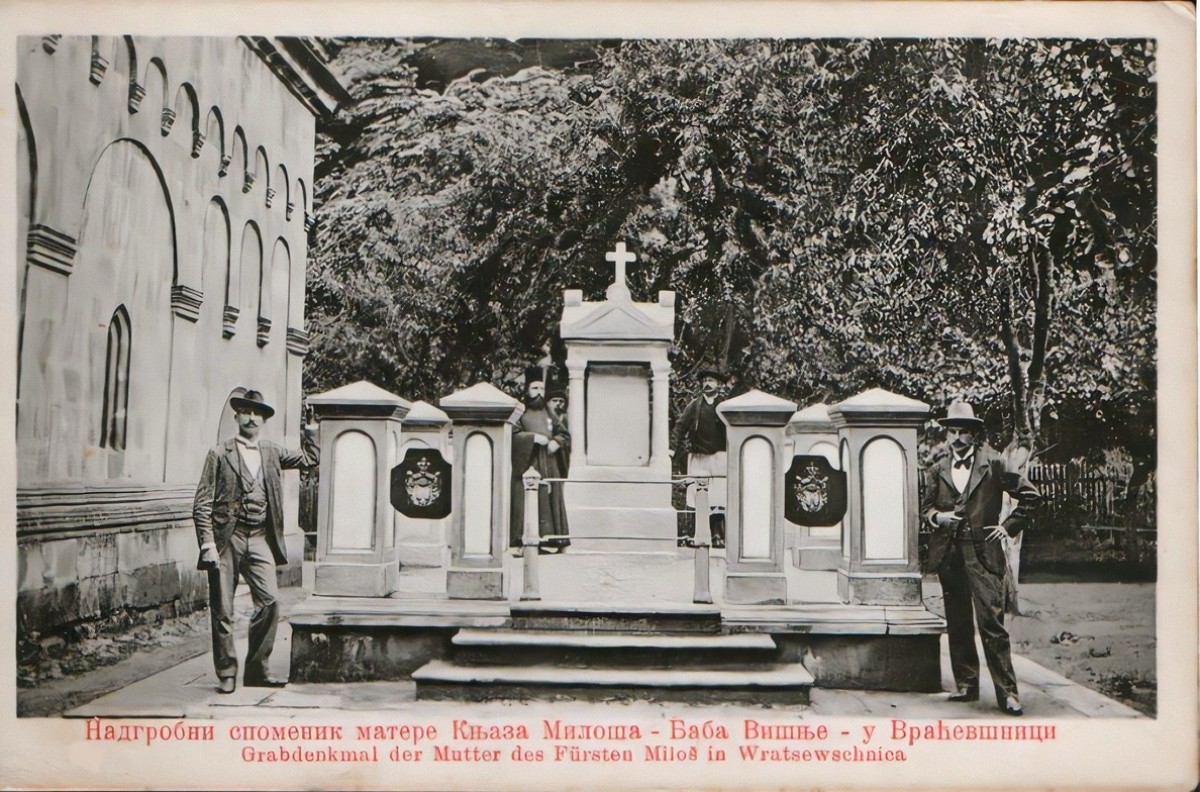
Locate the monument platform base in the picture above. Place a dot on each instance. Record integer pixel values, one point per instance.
(422, 554)
(899, 588)
(356, 580)
(617, 529)
(499, 650)
(475, 584)
(756, 588)
(818, 557)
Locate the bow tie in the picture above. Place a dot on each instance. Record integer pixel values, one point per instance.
(964, 462)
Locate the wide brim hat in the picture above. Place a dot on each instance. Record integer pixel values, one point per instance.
(716, 374)
(962, 416)
(252, 400)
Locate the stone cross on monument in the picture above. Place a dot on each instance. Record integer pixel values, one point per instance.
(619, 290)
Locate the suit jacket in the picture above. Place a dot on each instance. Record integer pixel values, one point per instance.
(219, 493)
(699, 429)
(979, 505)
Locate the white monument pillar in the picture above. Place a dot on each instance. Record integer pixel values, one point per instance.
(811, 432)
(660, 420)
(618, 497)
(754, 548)
(356, 536)
(422, 541)
(877, 431)
(483, 419)
(575, 392)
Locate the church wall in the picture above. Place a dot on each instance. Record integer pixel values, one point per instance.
(154, 173)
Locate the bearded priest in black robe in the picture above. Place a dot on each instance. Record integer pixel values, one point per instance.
(542, 442)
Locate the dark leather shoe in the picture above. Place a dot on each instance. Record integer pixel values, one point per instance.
(1012, 706)
(226, 684)
(269, 682)
(964, 695)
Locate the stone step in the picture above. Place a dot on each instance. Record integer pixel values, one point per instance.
(588, 617)
(611, 649)
(781, 683)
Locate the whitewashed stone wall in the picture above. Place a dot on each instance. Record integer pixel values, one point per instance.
(166, 180)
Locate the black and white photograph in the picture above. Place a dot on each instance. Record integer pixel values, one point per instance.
(747, 396)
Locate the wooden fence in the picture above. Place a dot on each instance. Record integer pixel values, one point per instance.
(1090, 492)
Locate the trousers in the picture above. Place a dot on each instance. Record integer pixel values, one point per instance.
(714, 465)
(974, 596)
(249, 556)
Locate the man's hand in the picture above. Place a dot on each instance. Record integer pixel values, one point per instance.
(540, 439)
(553, 446)
(998, 534)
(210, 557)
(1015, 458)
(946, 519)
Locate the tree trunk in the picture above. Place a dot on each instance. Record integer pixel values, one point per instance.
(1028, 388)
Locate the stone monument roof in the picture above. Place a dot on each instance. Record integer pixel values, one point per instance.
(425, 414)
(481, 403)
(618, 317)
(359, 400)
(755, 408)
(361, 392)
(477, 394)
(878, 397)
(813, 418)
(879, 406)
(608, 320)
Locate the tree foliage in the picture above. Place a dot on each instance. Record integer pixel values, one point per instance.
(943, 218)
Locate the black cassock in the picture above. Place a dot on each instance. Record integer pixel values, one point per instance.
(526, 453)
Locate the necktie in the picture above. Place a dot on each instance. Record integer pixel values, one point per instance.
(963, 462)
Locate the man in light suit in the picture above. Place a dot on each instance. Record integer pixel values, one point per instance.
(964, 493)
(238, 512)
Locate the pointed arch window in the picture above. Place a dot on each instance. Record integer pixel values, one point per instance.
(116, 382)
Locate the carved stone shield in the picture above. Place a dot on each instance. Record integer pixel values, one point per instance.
(421, 484)
(814, 493)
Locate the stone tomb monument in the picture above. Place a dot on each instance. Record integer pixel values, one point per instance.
(618, 497)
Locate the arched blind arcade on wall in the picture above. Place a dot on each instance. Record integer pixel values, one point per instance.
(114, 420)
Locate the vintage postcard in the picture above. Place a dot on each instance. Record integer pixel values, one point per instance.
(581, 395)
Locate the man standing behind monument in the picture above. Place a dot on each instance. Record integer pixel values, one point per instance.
(701, 433)
(238, 512)
(541, 442)
(556, 404)
(964, 492)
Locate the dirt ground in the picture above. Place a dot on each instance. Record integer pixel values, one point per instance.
(1101, 635)
(55, 675)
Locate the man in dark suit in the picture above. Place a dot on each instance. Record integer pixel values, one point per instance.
(238, 512)
(964, 494)
(701, 433)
